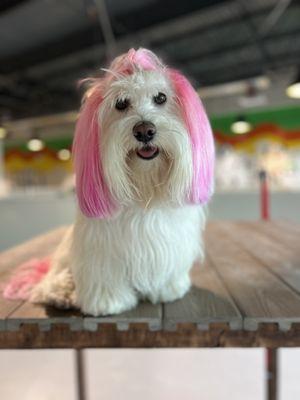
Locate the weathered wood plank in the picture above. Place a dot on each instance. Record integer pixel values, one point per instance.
(45, 317)
(281, 236)
(289, 226)
(274, 255)
(144, 313)
(40, 246)
(258, 293)
(29, 313)
(250, 278)
(6, 307)
(139, 336)
(108, 335)
(207, 302)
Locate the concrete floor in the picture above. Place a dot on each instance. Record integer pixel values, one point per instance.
(208, 374)
(37, 375)
(289, 374)
(150, 374)
(190, 374)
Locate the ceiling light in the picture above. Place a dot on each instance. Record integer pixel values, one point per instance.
(293, 90)
(64, 154)
(241, 126)
(35, 144)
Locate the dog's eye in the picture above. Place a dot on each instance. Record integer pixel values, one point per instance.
(160, 98)
(122, 104)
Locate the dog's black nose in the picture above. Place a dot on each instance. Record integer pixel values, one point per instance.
(144, 131)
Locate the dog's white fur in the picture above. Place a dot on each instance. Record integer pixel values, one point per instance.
(145, 250)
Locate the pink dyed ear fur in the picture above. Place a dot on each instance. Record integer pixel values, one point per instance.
(93, 195)
(201, 137)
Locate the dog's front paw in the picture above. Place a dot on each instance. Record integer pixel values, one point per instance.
(104, 303)
(173, 290)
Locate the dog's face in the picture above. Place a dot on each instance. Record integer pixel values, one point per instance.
(145, 148)
(142, 137)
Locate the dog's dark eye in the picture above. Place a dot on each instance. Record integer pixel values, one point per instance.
(122, 104)
(160, 98)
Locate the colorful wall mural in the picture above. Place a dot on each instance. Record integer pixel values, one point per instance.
(273, 144)
(46, 167)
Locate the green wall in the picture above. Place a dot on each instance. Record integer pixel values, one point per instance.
(287, 118)
(54, 144)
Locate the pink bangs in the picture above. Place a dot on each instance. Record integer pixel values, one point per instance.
(140, 59)
(201, 137)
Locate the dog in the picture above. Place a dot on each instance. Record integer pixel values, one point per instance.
(144, 159)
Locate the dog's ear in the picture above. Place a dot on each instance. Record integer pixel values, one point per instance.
(93, 194)
(201, 137)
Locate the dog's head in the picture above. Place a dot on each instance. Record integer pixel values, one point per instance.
(142, 137)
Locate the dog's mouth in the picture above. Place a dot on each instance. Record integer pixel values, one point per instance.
(148, 152)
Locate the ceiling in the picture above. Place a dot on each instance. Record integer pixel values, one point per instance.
(48, 45)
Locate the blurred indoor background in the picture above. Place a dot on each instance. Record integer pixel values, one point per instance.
(242, 56)
(244, 59)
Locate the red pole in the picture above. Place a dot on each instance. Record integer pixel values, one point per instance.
(271, 354)
(264, 196)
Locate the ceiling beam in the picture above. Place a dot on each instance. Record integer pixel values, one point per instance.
(69, 44)
(242, 70)
(7, 5)
(215, 55)
(90, 41)
(222, 50)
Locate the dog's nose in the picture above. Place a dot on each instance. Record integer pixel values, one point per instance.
(144, 131)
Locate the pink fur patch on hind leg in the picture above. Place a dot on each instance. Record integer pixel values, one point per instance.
(25, 278)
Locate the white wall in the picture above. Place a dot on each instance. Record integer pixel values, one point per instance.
(132, 374)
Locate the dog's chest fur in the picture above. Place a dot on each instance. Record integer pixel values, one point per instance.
(144, 247)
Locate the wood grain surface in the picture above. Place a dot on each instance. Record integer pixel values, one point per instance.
(259, 294)
(208, 301)
(247, 293)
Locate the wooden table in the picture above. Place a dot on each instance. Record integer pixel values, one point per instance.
(246, 294)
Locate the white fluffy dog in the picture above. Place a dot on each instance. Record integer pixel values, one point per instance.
(144, 156)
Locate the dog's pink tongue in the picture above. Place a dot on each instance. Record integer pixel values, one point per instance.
(147, 152)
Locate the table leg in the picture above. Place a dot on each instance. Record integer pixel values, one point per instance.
(271, 372)
(80, 375)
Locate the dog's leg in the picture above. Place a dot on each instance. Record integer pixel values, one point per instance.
(101, 300)
(174, 289)
(57, 288)
(100, 288)
(102, 285)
